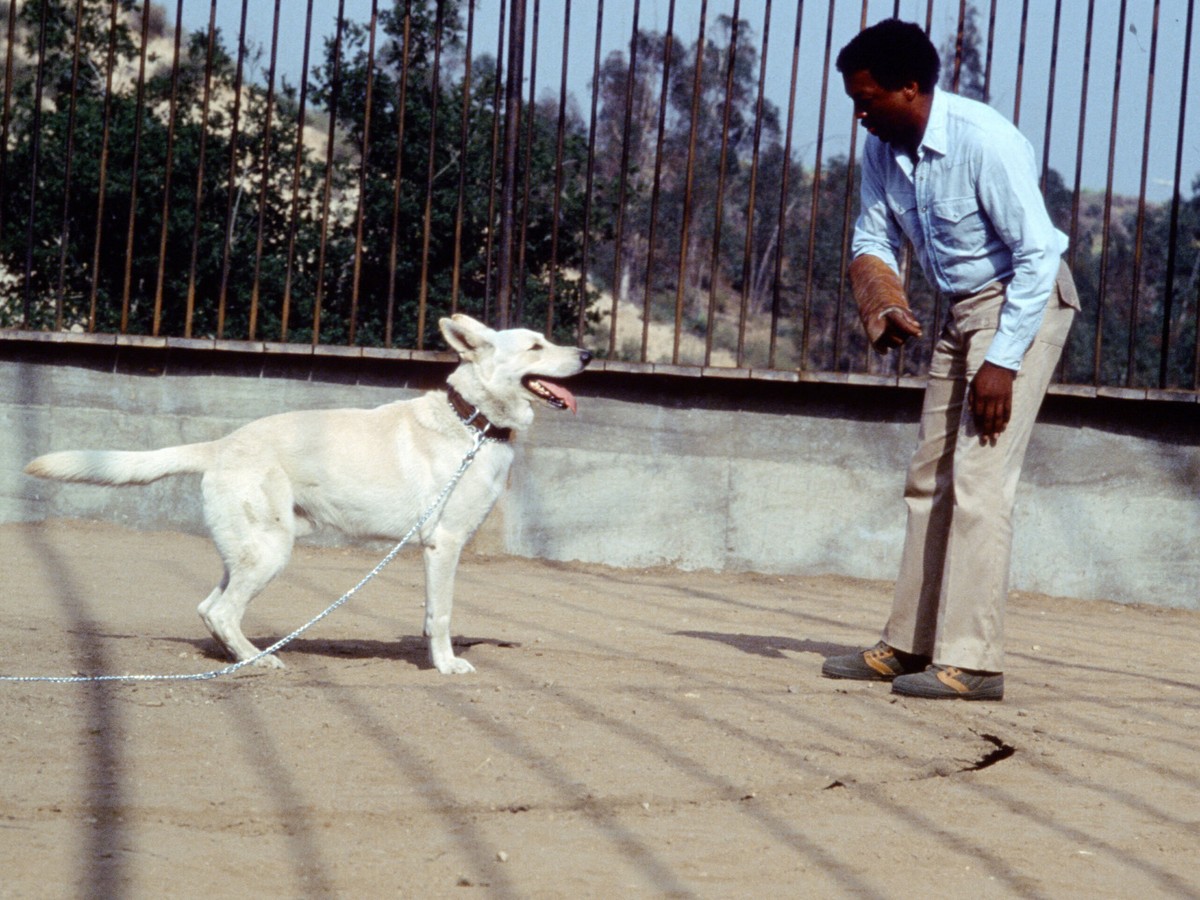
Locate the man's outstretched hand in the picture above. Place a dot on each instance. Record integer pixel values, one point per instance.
(899, 325)
(882, 303)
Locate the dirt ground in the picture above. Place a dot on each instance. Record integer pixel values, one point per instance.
(648, 733)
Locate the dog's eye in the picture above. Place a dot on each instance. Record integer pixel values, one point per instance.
(537, 345)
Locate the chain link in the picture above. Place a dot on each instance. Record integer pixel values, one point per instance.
(481, 438)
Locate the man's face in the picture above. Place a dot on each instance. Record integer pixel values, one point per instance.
(895, 117)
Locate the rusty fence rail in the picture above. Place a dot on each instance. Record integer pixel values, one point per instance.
(672, 183)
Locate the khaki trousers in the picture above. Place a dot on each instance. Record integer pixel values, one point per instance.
(953, 581)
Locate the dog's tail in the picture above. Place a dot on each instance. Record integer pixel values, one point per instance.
(121, 466)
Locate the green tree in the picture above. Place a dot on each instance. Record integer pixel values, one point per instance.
(421, 232)
(93, 178)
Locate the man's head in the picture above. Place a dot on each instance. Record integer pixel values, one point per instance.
(889, 71)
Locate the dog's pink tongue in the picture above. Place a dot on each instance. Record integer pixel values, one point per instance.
(560, 393)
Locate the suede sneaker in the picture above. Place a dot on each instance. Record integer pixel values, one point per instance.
(879, 663)
(951, 683)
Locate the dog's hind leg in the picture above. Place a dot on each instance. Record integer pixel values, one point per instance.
(223, 610)
(441, 561)
(254, 535)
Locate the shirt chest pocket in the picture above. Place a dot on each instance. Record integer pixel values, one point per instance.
(903, 207)
(958, 224)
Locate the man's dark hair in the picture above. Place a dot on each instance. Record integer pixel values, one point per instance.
(895, 53)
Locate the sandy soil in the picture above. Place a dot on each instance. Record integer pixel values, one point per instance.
(628, 733)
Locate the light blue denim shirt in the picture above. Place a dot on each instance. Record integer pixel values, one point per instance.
(971, 206)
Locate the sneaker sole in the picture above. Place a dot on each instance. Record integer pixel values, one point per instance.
(989, 692)
(858, 674)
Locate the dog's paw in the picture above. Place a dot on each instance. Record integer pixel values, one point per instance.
(454, 666)
(271, 661)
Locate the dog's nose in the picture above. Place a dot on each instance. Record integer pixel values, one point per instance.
(585, 357)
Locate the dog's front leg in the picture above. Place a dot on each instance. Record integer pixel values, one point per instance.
(441, 561)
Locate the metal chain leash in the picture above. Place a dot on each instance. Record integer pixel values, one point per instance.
(480, 439)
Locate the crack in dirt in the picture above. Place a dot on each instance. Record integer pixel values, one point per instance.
(1002, 752)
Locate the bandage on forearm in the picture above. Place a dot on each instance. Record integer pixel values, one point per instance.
(877, 291)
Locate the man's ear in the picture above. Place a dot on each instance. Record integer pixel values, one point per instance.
(465, 336)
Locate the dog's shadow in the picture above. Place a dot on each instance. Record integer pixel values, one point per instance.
(413, 650)
(768, 646)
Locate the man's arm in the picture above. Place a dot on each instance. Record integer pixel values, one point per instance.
(874, 282)
(1009, 194)
(882, 304)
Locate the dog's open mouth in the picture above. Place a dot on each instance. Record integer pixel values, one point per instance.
(554, 394)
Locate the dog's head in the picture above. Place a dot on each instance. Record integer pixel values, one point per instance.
(503, 372)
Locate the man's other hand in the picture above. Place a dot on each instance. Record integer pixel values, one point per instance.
(991, 400)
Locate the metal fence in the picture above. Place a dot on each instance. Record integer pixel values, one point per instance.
(671, 183)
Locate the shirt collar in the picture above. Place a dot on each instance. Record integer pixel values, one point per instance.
(934, 139)
(935, 129)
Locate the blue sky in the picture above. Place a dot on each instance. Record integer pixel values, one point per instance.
(1136, 30)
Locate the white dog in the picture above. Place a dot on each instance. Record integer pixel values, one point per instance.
(369, 473)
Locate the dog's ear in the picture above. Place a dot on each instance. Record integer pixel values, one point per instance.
(465, 335)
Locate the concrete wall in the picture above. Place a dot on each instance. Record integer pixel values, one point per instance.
(699, 473)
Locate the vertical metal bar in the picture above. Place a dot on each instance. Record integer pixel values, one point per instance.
(133, 177)
(714, 276)
(619, 237)
(397, 177)
(6, 110)
(663, 100)
(69, 169)
(1173, 228)
(991, 45)
(847, 206)
(107, 131)
(1106, 228)
(264, 175)
(589, 177)
(815, 207)
(560, 137)
(327, 191)
(906, 272)
(1021, 63)
(169, 168)
(1082, 133)
(39, 83)
(364, 161)
(197, 214)
(1050, 94)
(748, 251)
(488, 255)
(232, 190)
(784, 207)
(430, 169)
(512, 137)
(297, 165)
(686, 228)
(1073, 233)
(463, 151)
(958, 46)
(527, 169)
(1140, 229)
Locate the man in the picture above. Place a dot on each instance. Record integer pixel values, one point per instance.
(960, 182)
